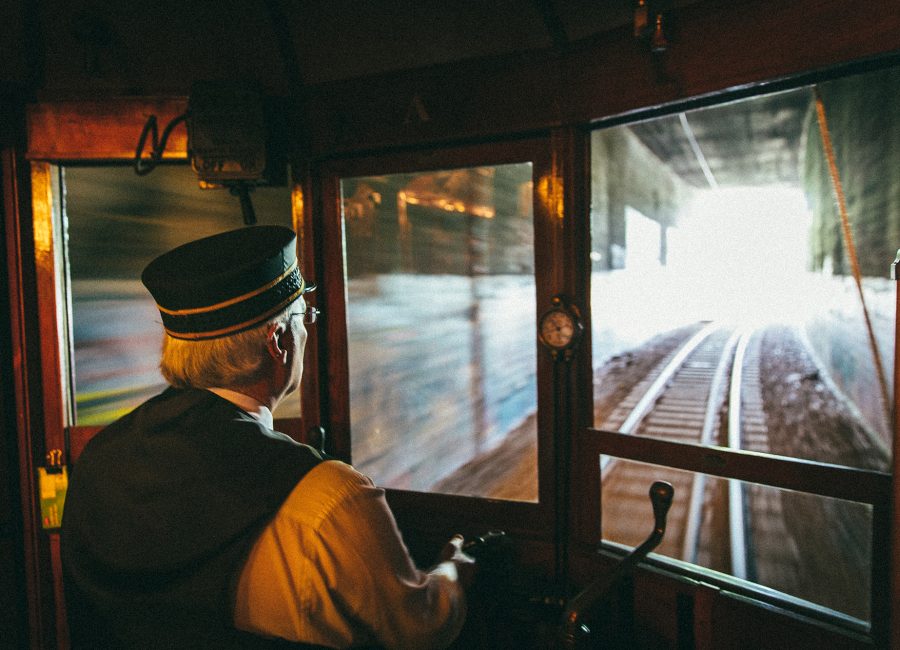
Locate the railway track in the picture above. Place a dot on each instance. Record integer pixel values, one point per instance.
(707, 392)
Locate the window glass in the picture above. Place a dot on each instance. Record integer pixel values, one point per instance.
(117, 222)
(723, 221)
(781, 539)
(726, 310)
(441, 311)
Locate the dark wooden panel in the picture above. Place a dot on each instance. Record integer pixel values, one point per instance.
(502, 95)
(438, 513)
(740, 622)
(715, 46)
(719, 45)
(303, 206)
(12, 421)
(27, 381)
(102, 130)
(703, 609)
(334, 362)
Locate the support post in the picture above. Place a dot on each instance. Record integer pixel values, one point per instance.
(894, 559)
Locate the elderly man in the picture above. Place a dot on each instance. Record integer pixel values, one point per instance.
(190, 522)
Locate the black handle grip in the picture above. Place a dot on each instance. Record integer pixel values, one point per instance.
(661, 494)
(478, 544)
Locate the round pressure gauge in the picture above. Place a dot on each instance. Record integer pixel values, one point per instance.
(560, 327)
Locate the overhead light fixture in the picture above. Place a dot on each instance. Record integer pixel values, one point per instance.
(228, 141)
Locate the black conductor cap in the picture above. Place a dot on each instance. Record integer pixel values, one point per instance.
(227, 283)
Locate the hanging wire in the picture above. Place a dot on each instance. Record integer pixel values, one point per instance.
(851, 247)
(143, 166)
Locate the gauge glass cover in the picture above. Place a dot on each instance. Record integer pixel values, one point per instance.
(557, 329)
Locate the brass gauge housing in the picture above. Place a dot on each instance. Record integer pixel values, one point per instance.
(560, 328)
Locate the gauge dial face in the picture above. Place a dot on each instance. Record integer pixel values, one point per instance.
(557, 329)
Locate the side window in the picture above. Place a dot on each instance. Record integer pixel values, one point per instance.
(439, 277)
(116, 222)
(727, 313)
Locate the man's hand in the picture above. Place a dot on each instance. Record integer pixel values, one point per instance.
(465, 564)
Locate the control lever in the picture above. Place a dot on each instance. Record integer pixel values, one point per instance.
(661, 494)
(574, 628)
(477, 545)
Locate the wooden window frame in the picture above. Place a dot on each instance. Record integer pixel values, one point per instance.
(868, 487)
(102, 132)
(414, 510)
(106, 131)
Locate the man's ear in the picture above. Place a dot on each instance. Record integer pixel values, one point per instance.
(275, 339)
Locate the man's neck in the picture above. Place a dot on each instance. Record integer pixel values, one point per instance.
(248, 402)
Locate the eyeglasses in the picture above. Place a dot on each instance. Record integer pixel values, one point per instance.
(310, 316)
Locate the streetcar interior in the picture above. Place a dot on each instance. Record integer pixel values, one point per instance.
(734, 334)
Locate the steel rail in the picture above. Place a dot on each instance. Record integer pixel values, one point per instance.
(682, 400)
(650, 397)
(714, 405)
(736, 514)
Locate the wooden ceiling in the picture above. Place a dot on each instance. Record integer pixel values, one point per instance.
(64, 48)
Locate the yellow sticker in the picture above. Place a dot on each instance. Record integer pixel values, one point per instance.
(53, 488)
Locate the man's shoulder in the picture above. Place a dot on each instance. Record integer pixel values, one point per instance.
(338, 472)
(329, 486)
(112, 434)
(189, 422)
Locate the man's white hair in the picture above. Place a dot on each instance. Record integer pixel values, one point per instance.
(229, 361)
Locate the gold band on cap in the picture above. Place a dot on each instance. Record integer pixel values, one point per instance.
(232, 301)
(194, 336)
